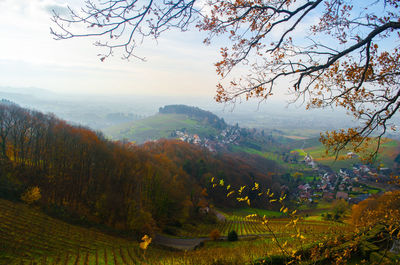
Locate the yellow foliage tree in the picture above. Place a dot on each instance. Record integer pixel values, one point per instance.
(31, 195)
(146, 240)
(384, 210)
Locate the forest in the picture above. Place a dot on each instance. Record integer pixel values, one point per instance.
(139, 189)
(168, 190)
(213, 193)
(196, 113)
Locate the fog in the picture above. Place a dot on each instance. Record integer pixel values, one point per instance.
(101, 111)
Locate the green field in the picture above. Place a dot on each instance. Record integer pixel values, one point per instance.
(159, 126)
(289, 167)
(389, 149)
(299, 151)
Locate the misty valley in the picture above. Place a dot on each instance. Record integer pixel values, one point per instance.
(184, 178)
(190, 132)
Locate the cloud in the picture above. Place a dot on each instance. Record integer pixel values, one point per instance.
(58, 9)
(34, 58)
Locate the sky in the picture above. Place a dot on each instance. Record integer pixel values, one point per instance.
(177, 64)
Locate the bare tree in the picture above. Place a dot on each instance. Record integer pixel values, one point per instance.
(124, 23)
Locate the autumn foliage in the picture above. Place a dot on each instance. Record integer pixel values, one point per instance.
(31, 195)
(137, 188)
(382, 210)
(79, 171)
(215, 234)
(347, 58)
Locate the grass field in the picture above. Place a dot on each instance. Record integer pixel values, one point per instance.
(289, 167)
(299, 151)
(389, 149)
(158, 126)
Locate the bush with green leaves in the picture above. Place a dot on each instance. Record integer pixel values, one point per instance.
(232, 236)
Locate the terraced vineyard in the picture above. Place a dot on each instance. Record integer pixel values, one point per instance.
(28, 236)
(246, 227)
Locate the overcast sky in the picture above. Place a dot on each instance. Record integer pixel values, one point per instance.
(178, 64)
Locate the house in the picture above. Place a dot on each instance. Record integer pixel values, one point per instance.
(342, 195)
(305, 195)
(359, 198)
(304, 187)
(196, 139)
(364, 168)
(327, 195)
(204, 210)
(351, 155)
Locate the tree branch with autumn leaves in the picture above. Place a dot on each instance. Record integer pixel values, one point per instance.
(332, 53)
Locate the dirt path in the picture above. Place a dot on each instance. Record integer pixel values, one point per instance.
(220, 216)
(190, 243)
(179, 243)
(186, 243)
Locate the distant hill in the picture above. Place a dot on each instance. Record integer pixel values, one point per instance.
(79, 175)
(157, 127)
(164, 124)
(205, 117)
(7, 102)
(196, 126)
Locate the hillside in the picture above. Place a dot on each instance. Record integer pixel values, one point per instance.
(80, 175)
(196, 126)
(203, 116)
(169, 120)
(160, 126)
(166, 187)
(388, 151)
(29, 236)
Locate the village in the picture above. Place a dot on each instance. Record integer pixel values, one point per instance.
(353, 184)
(227, 136)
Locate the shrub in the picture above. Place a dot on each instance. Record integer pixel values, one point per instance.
(31, 195)
(215, 234)
(170, 230)
(232, 236)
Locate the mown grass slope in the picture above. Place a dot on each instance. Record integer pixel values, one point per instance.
(159, 126)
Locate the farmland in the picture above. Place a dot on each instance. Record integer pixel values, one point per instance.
(387, 153)
(245, 227)
(29, 236)
(271, 155)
